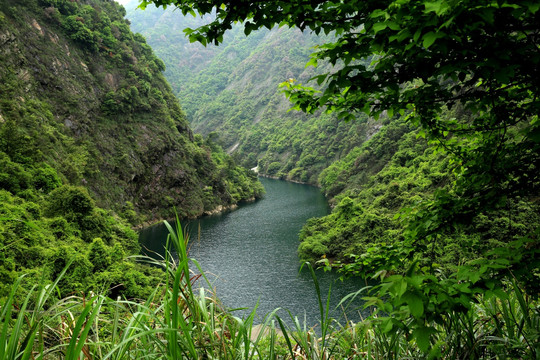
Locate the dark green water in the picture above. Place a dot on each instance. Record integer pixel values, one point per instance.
(250, 253)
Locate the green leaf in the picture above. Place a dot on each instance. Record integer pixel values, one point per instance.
(392, 25)
(378, 13)
(387, 325)
(534, 134)
(474, 276)
(533, 6)
(438, 7)
(488, 15)
(422, 335)
(415, 303)
(402, 287)
(379, 27)
(429, 39)
(416, 35)
(312, 62)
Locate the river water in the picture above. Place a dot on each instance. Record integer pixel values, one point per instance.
(250, 254)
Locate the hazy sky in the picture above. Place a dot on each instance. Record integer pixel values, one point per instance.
(123, 2)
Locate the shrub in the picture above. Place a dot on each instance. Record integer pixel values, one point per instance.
(70, 200)
(45, 178)
(273, 168)
(13, 177)
(99, 255)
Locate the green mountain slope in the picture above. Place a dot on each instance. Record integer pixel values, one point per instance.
(106, 118)
(378, 187)
(369, 170)
(91, 137)
(232, 90)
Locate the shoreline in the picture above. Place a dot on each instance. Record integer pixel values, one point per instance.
(215, 211)
(289, 180)
(220, 208)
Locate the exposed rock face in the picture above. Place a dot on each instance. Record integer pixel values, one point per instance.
(36, 26)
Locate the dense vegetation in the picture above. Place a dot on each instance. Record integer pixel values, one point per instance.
(374, 186)
(91, 138)
(178, 322)
(439, 206)
(231, 93)
(468, 224)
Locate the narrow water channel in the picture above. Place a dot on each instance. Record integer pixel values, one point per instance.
(250, 253)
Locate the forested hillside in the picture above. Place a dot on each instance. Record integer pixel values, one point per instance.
(232, 94)
(91, 137)
(424, 136)
(368, 172)
(375, 188)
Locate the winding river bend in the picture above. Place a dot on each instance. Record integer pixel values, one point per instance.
(250, 253)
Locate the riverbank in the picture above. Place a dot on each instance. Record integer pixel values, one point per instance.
(220, 209)
(288, 180)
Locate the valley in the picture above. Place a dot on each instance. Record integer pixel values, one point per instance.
(418, 124)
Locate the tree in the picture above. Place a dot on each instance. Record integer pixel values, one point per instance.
(466, 72)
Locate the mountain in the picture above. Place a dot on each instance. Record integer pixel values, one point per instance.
(231, 93)
(374, 173)
(75, 74)
(91, 137)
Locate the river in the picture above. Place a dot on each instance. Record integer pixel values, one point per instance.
(250, 253)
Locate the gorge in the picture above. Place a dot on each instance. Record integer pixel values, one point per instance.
(419, 128)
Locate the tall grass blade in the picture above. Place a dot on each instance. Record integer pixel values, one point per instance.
(17, 330)
(5, 318)
(82, 328)
(286, 336)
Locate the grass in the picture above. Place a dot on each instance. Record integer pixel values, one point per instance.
(182, 320)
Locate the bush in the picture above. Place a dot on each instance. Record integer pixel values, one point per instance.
(99, 255)
(13, 177)
(66, 7)
(45, 178)
(77, 30)
(273, 168)
(60, 228)
(70, 200)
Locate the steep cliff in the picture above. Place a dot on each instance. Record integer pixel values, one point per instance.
(88, 97)
(92, 143)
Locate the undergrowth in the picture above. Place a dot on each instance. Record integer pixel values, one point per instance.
(183, 320)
